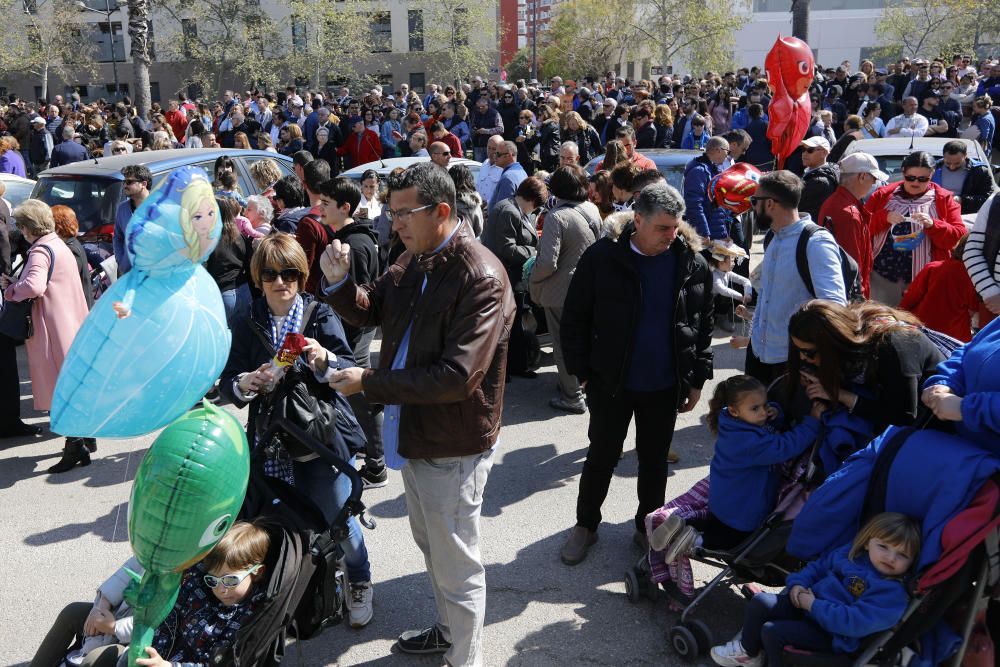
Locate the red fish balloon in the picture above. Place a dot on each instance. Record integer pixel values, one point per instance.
(790, 67)
(733, 188)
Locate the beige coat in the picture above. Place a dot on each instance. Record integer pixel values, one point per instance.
(569, 229)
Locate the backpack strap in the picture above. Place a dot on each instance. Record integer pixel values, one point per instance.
(991, 244)
(878, 483)
(802, 256)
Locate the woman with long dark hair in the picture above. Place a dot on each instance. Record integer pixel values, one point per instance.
(229, 263)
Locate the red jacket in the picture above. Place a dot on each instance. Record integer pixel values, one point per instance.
(944, 298)
(850, 227)
(453, 144)
(948, 229)
(369, 150)
(312, 235)
(177, 120)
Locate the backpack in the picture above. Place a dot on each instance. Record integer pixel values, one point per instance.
(848, 267)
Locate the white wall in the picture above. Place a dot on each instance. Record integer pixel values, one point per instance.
(835, 36)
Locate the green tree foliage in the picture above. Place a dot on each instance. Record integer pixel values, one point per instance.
(587, 37)
(702, 32)
(915, 28)
(453, 32)
(327, 39)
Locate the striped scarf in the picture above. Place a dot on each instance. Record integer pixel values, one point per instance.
(906, 207)
(291, 324)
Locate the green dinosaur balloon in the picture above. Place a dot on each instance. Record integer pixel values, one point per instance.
(187, 493)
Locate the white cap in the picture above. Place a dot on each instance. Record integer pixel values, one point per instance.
(38, 119)
(817, 142)
(862, 163)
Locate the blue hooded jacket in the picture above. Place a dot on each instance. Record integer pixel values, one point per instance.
(707, 219)
(853, 600)
(742, 478)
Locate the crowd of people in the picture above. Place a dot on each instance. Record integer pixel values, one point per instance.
(460, 274)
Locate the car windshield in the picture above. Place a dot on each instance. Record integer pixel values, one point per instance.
(17, 191)
(93, 199)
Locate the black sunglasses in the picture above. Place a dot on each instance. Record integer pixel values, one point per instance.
(918, 179)
(754, 200)
(287, 275)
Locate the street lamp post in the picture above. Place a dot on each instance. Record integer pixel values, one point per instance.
(107, 12)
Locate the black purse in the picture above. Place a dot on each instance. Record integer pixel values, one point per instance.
(15, 316)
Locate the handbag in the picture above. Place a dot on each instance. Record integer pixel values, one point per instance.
(15, 316)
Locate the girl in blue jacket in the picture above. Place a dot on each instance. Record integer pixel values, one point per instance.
(743, 477)
(832, 603)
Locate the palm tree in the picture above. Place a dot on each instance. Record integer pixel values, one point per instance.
(138, 32)
(800, 19)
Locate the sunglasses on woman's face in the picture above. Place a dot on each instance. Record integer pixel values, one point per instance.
(286, 275)
(918, 179)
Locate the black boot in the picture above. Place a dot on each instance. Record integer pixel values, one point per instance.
(74, 453)
(90, 444)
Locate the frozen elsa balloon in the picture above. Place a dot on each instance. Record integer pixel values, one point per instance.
(157, 339)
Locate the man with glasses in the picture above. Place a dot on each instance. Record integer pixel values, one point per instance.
(569, 154)
(511, 176)
(782, 290)
(845, 216)
(710, 221)
(445, 317)
(608, 121)
(820, 177)
(489, 173)
(136, 186)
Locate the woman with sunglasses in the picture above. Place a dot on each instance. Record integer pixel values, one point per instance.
(509, 112)
(279, 269)
(913, 223)
(868, 357)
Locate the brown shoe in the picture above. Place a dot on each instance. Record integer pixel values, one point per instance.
(576, 547)
(672, 457)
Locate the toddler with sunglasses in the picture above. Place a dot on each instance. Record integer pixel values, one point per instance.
(217, 597)
(743, 476)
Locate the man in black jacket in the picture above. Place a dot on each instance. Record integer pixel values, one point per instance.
(820, 179)
(637, 332)
(970, 179)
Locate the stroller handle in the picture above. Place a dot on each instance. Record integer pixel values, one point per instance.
(353, 506)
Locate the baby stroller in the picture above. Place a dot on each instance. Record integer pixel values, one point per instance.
(307, 588)
(949, 595)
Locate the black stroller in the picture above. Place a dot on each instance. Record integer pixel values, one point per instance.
(307, 589)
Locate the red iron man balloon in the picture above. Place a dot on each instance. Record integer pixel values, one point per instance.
(790, 68)
(733, 188)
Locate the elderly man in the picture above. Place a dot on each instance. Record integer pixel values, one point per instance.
(440, 154)
(511, 176)
(569, 154)
(485, 123)
(489, 173)
(909, 123)
(710, 221)
(445, 316)
(637, 332)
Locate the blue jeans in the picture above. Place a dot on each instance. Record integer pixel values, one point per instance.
(236, 302)
(330, 491)
(771, 623)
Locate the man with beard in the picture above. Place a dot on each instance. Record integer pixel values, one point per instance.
(782, 290)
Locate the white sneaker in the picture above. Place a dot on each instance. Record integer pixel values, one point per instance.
(361, 604)
(732, 654)
(682, 544)
(665, 532)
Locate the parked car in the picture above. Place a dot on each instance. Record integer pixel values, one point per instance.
(17, 189)
(670, 162)
(891, 151)
(383, 167)
(93, 188)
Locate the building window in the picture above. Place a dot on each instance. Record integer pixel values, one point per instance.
(189, 33)
(110, 47)
(416, 28)
(417, 82)
(381, 32)
(630, 71)
(154, 91)
(299, 35)
(122, 88)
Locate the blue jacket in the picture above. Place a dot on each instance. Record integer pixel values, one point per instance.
(853, 600)
(689, 142)
(388, 141)
(122, 215)
(68, 152)
(708, 220)
(970, 373)
(742, 478)
(741, 119)
(507, 186)
(845, 434)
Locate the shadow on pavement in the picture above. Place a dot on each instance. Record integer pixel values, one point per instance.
(112, 527)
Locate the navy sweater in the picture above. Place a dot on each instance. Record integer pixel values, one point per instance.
(743, 486)
(651, 367)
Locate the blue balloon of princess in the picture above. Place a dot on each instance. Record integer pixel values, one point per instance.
(157, 339)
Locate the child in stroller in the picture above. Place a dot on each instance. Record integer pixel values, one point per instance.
(852, 592)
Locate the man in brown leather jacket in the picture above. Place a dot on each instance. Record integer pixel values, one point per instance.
(446, 308)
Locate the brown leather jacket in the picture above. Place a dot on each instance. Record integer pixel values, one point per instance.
(451, 389)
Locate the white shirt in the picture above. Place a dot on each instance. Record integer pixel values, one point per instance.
(374, 207)
(912, 126)
(487, 180)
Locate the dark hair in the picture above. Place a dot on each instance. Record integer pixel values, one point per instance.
(569, 182)
(918, 159)
(647, 177)
(369, 173)
(227, 179)
(626, 130)
(437, 126)
(433, 184)
(315, 174)
(783, 186)
(601, 180)
(955, 147)
(533, 190)
(197, 127)
(229, 208)
(289, 190)
(343, 191)
(755, 110)
(737, 136)
(623, 175)
(223, 163)
(730, 392)
(138, 172)
(462, 177)
(302, 158)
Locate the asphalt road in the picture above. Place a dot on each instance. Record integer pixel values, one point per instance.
(62, 535)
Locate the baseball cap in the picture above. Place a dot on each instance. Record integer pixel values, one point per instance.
(38, 120)
(862, 163)
(834, 90)
(816, 142)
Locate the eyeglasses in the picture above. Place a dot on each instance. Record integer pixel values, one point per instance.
(405, 214)
(230, 580)
(443, 153)
(119, 150)
(754, 200)
(286, 275)
(918, 179)
(501, 154)
(809, 353)
(127, 181)
(525, 117)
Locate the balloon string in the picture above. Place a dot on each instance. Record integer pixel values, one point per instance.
(128, 461)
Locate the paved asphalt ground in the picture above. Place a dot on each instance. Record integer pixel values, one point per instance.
(62, 535)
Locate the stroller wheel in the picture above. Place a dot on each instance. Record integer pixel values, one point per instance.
(702, 633)
(632, 591)
(684, 643)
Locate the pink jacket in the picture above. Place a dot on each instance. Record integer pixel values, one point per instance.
(58, 312)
